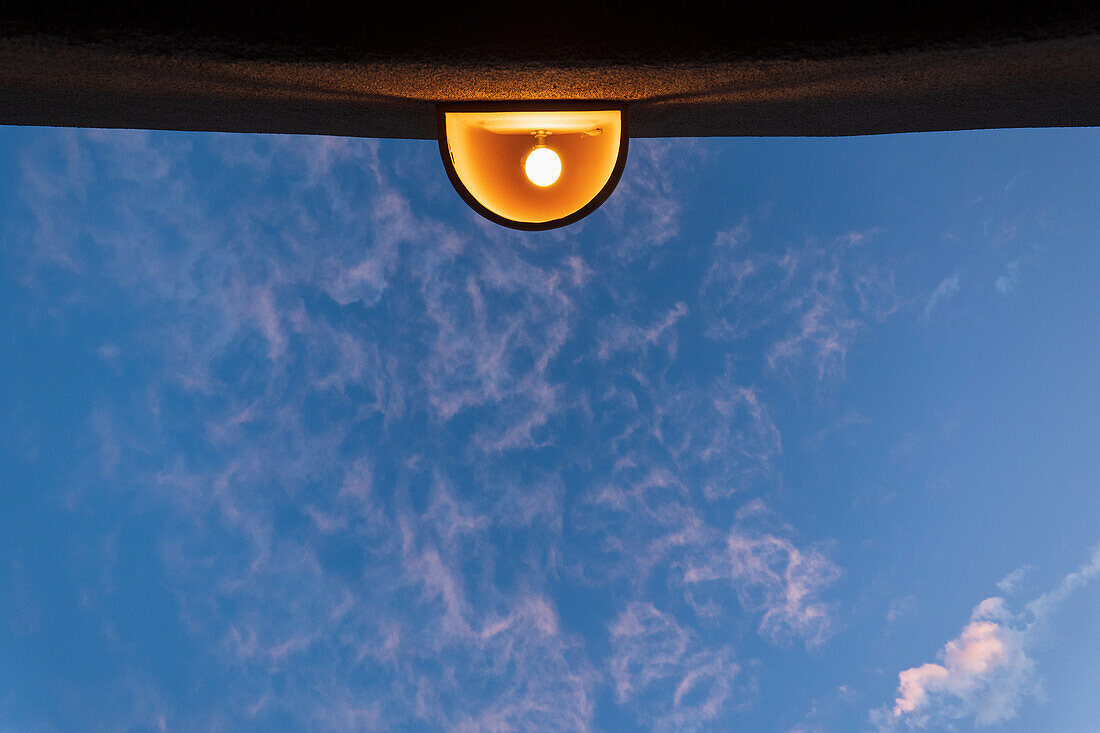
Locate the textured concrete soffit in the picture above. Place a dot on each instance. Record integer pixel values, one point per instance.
(46, 80)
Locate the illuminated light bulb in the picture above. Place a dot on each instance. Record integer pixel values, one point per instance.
(543, 166)
(506, 159)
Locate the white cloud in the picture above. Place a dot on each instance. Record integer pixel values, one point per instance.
(824, 330)
(945, 291)
(743, 435)
(773, 576)
(666, 673)
(819, 297)
(985, 673)
(388, 611)
(1041, 607)
(620, 335)
(1010, 582)
(497, 331)
(900, 607)
(1008, 283)
(349, 376)
(644, 210)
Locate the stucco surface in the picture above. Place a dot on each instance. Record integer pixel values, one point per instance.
(978, 77)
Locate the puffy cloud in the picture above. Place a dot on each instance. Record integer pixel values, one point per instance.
(985, 674)
(987, 671)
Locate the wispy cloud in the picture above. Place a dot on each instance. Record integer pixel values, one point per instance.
(899, 608)
(1008, 283)
(1010, 582)
(382, 442)
(824, 329)
(774, 577)
(271, 335)
(987, 672)
(821, 296)
(945, 291)
(620, 335)
(645, 209)
(670, 677)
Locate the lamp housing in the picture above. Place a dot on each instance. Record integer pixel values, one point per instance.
(533, 165)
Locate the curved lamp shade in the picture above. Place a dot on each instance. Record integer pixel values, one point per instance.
(533, 165)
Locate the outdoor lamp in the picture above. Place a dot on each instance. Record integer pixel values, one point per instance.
(533, 165)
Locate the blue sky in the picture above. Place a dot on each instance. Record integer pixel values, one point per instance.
(790, 435)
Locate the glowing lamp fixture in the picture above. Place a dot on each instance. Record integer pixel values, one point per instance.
(533, 165)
